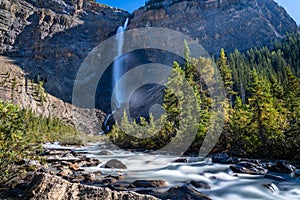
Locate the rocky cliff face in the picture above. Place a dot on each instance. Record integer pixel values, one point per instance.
(216, 24)
(50, 39)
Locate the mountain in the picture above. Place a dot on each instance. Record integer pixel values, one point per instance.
(216, 24)
(50, 39)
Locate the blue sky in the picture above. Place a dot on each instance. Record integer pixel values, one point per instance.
(292, 6)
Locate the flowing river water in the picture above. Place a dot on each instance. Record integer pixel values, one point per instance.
(224, 184)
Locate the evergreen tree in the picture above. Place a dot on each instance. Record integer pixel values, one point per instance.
(292, 99)
(226, 74)
(266, 121)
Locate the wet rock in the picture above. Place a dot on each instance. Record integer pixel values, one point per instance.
(45, 170)
(116, 164)
(297, 173)
(45, 186)
(60, 167)
(74, 167)
(282, 167)
(74, 153)
(181, 160)
(114, 177)
(68, 158)
(65, 163)
(131, 186)
(65, 173)
(274, 177)
(248, 168)
(110, 186)
(121, 187)
(223, 158)
(109, 181)
(98, 173)
(149, 183)
(271, 187)
(89, 177)
(75, 180)
(56, 152)
(200, 184)
(184, 193)
(105, 153)
(91, 162)
(52, 173)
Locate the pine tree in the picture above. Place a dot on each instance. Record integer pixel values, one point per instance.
(292, 99)
(226, 74)
(241, 137)
(266, 121)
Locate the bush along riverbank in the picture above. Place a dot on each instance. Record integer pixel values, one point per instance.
(22, 134)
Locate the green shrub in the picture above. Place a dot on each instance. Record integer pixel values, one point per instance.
(22, 132)
(16, 143)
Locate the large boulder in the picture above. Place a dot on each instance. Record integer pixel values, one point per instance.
(177, 193)
(45, 186)
(149, 183)
(248, 168)
(116, 164)
(282, 167)
(224, 158)
(185, 193)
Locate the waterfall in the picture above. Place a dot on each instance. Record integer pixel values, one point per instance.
(118, 64)
(117, 72)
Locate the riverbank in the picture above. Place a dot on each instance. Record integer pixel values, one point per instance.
(163, 176)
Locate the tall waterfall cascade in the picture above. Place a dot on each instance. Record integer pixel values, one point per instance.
(118, 66)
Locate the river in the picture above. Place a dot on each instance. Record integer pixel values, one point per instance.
(223, 182)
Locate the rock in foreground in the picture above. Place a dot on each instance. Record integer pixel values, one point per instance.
(45, 186)
(178, 192)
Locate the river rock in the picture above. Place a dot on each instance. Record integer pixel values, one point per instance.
(109, 181)
(114, 163)
(149, 183)
(297, 173)
(200, 184)
(45, 186)
(181, 160)
(91, 162)
(74, 167)
(68, 158)
(282, 167)
(89, 177)
(117, 177)
(184, 193)
(65, 173)
(248, 168)
(275, 177)
(271, 187)
(105, 153)
(223, 158)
